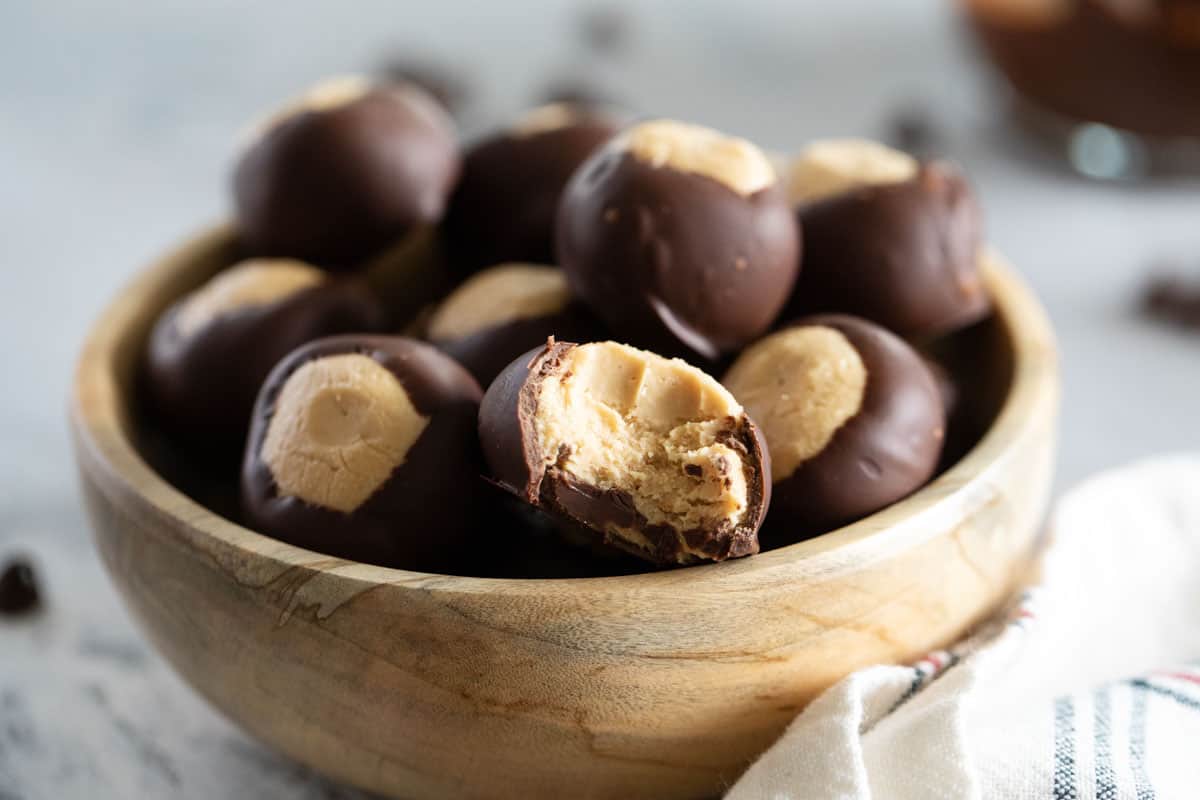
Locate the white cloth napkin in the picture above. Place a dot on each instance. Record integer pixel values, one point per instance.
(1088, 687)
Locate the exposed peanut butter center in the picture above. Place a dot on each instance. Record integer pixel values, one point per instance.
(736, 163)
(333, 92)
(499, 295)
(618, 418)
(326, 95)
(256, 282)
(342, 425)
(833, 166)
(800, 386)
(543, 119)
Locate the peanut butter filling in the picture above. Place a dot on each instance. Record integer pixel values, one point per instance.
(543, 119)
(800, 386)
(833, 166)
(342, 425)
(256, 282)
(325, 95)
(734, 162)
(499, 295)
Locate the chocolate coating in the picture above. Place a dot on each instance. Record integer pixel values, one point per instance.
(507, 420)
(18, 588)
(948, 388)
(902, 255)
(421, 516)
(486, 353)
(675, 262)
(525, 542)
(203, 386)
(504, 207)
(977, 367)
(334, 186)
(886, 451)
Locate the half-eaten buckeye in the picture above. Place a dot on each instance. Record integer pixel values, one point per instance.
(364, 447)
(648, 454)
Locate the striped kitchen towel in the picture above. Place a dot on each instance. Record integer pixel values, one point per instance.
(1040, 703)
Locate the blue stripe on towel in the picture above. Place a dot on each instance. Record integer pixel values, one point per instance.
(1137, 744)
(1106, 784)
(1064, 750)
(1181, 699)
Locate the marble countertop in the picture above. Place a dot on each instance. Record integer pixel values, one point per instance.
(119, 124)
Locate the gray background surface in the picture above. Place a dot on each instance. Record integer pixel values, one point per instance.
(116, 134)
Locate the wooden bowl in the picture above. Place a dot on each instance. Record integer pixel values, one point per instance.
(662, 685)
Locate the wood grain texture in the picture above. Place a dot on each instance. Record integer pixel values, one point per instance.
(660, 685)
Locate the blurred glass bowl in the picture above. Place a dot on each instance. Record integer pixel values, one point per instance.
(1114, 85)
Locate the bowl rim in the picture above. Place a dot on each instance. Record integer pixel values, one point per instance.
(97, 415)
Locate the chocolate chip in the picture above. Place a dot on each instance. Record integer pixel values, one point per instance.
(913, 130)
(18, 588)
(1173, 298)
(605, 29)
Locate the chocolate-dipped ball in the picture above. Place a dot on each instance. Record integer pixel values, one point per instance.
(648, 454)
(888, 239)
(345, 170)
(364, 447)
(852, 418)
(503, 208)
(680, 239)
(504, 311)
(210, 352)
